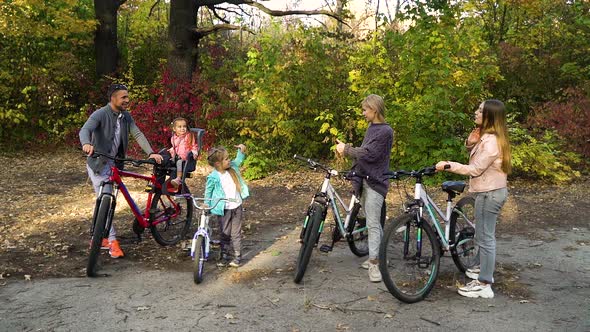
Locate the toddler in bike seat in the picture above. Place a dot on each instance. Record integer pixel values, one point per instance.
(225, 181)
(184, 149)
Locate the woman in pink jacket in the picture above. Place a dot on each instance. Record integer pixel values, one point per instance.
(489, 165)
(183, 142)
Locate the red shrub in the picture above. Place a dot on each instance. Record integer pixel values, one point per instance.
(194, 101)
(570, 117)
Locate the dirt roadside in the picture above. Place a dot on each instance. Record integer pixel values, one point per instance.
(543, 279)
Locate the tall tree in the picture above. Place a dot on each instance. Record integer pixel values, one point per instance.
(105, 38)
(184, 34)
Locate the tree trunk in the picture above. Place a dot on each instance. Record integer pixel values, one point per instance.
(105, 38)
(183, 39)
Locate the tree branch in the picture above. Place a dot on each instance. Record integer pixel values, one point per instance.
(212, 8)
(153, 7)
(271, 12)
(202, 32)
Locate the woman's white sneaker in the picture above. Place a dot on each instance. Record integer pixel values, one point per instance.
(477, 289)
(374, 273)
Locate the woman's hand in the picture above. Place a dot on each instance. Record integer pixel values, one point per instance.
(473, 137)
(340, 146)
(440, 166)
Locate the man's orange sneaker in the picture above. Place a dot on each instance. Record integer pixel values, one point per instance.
(104, 245)
(115, 250)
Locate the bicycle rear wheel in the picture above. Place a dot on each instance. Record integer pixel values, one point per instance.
(464, 250)
(310, 238)
(98, 233)
(409, 272)
(199, 257)
(170, 219)
(359, 242)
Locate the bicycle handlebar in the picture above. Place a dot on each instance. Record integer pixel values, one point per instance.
(396, 175)
(134, 162)
(314, 164)
(204, 206)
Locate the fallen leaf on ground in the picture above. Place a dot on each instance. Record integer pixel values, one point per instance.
(229, 316)
(142, 308)
(524, 301)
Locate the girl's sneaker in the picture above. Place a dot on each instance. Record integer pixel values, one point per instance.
(477, 289)
(235, 262)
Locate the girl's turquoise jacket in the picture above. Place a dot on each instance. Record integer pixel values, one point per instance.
(214, 190)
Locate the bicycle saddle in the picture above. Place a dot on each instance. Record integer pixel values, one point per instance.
(453, 186)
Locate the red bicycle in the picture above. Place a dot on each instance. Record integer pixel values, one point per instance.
(168, 219)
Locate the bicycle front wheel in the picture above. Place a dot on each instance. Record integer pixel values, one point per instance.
(98, 233)
(358, 234)
(170, 219)
(310, 238)
(199, 257)
(464, 250)
(409, 258)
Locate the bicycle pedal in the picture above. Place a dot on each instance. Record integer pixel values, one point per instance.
(326, 248)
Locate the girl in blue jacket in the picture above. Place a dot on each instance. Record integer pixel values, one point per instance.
(225, 181)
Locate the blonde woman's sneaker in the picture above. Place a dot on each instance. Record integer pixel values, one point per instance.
(477, 289)
(374, 273)
(365, 264)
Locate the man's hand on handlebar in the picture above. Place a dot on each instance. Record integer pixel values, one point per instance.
(158, 158)
(88, 149)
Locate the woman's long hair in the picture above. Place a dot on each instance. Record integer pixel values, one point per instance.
(217, 154)
(494, 122)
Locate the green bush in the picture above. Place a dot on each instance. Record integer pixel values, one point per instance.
(543, 157)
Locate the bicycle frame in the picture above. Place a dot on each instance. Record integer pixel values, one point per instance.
(204, 232)
(433, 210)
(115, 179)
(334, 201)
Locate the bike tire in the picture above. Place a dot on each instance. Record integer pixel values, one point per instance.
(310, 238)
(199, 257)
(358, 243)
(464, 250)
(99, 231)
(170, 219)
(407, 277)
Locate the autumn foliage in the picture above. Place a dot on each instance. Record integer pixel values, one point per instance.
(569, 116)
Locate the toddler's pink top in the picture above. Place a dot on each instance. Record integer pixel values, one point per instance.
(180, 145)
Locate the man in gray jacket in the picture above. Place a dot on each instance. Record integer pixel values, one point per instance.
(107, 131)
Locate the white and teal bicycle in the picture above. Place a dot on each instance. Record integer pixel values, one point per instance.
(412, 244)
(202, 240)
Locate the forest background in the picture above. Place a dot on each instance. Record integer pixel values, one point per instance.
(291, 81)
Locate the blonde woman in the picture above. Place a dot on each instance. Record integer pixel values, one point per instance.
(372, 159)
(488, 168)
